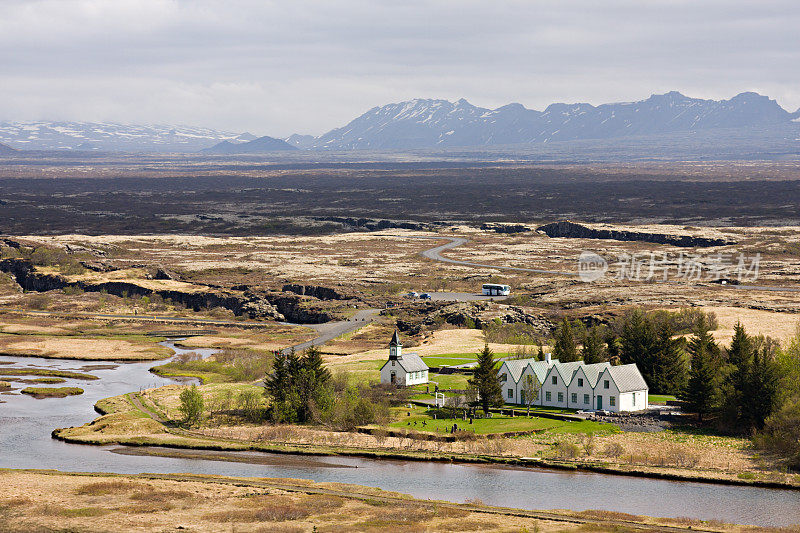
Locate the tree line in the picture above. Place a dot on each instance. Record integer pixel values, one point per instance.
(737, 387)
(300, 389)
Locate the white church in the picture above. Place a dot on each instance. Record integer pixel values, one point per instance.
(575, 385)
(403, 368)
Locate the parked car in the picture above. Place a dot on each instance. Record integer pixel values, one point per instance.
(412, 295)
(424, 296)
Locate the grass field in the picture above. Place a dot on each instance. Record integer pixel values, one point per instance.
(496, 424)
(46, 372)
(55, 501)
(660, 399)
(52, 392)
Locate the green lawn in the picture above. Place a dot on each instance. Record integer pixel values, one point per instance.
(496, 424)
(441, 360)
(660, 399)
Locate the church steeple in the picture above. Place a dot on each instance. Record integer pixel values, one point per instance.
(395, 339)
(395, 346)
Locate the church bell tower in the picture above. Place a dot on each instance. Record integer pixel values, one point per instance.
(395, 347)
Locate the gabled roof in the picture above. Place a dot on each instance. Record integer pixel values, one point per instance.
(565, 370)
(593, 371)
(540, 369)
(410, 362)
(395, 339)
(517, 366)
(627, 378)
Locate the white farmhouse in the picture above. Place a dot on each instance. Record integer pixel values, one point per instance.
(576, 385)
(403, 368)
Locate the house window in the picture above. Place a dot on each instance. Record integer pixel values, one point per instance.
(548, 396)
(574, 397)
(392, 363)
(555, 380)
(586, 399)
(605, 384)
(560, 397)
(634, 398)
(580, 382)
(504, 378)
(612, 401)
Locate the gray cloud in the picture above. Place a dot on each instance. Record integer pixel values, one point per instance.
(307, 66)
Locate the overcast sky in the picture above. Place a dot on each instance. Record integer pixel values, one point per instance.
(276, 68)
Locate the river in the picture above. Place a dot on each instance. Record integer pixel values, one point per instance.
(26, 424)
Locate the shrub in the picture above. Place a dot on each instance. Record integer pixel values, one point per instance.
(567, 450)
(248, 403)
(102, 488)
(191, 404)
(613, 449)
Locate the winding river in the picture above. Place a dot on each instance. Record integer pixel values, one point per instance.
(26, 423)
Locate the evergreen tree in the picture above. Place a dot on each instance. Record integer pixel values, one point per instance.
(313, 377)
(702, 390)
(540, 355)
(565, 349)
(593, 350)
(276, 385)
(486, 380)
(639, 344)
(669, 362)
(612, 346)
(735, 387)
(763, 386)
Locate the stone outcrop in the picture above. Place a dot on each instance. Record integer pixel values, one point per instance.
(568, 229)
(373, 224)
(504, 228)
(480, 314)
(321, 293)
(267, 305)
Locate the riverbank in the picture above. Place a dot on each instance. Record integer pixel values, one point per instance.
(146, 419)
(48, 500)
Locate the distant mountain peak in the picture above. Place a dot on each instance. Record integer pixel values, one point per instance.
(436, 123)
(256, 146)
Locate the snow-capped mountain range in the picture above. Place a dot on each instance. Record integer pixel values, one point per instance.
(112, 137)
(426, 123)
(440, 123)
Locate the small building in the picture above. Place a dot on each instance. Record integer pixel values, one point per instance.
(403, 369)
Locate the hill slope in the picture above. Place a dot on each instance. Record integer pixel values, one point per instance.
(7, 150)
(256, 146)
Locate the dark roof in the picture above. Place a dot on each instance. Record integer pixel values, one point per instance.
(395, 340)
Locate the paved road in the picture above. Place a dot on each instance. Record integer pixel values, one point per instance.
(331, 330)
(435, 254)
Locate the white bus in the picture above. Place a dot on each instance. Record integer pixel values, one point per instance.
(492, 289)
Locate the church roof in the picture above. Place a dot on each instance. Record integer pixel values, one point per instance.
(410, 362)
(395, 339)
